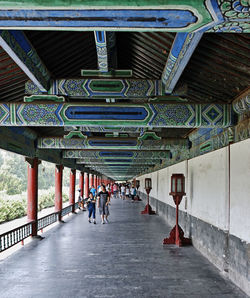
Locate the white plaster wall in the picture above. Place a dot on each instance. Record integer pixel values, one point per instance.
(240, 190)
(208, 188)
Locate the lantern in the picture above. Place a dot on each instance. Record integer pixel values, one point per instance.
(148, 184)
(177, 191)
(148, 187)
(177, 185)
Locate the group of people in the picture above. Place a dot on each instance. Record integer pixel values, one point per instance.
(101, 197)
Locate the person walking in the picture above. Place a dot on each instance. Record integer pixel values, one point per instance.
(93, 190)
(102, 203)
(91, 207)
(123, 192)
(127, 192)
(115, 191)
(132, 193)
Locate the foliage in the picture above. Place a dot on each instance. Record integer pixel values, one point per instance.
(11, 183)
(48, 200)
(13, 174)
(10, 210)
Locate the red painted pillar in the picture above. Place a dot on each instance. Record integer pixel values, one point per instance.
(91, 180)
(72, 188)
(86, 185)
(58, 190)
(32, 194)
(81, 183)
(95, 182)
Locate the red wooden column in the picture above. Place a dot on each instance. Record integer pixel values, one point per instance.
(91, 180)
(58, 190)
(72, 188)
(81, 183)
(32, 192)
(86, 185)
(95, 182)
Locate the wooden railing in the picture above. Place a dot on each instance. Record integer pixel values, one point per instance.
(10, 238)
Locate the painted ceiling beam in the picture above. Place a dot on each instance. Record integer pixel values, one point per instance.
(123, 170)
(241, 104)
(121, 115)
(106, 50)
(112, 143)
(109, 129)
(18, 47)
(117, 161)
(75, 15)
(101, 88)
(182, 49)
(106, 154)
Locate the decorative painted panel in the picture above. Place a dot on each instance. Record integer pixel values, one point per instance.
(236, 15)
(112, 143)
(242, 104)
(144, 115)
(135, 155)
(103, 88)
(118, 161)
(106, 50)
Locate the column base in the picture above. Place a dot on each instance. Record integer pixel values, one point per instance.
(182, 241)
(148, 210)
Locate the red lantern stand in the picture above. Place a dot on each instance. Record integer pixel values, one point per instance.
(137, 185)
(148, 187)
(176, 235)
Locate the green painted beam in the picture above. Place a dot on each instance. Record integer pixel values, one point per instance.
(112, 143)
(121, 154)
(119, 161)
(116, 115)
(101, 88)
(114, 73)
(130, 15)
(109, 15)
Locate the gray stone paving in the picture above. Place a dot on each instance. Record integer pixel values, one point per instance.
(124, 258)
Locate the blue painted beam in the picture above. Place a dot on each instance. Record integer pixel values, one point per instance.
(18, 47)
(126, 115)
(181, 51)
(106, 50)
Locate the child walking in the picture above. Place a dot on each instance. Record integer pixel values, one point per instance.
(91, 207)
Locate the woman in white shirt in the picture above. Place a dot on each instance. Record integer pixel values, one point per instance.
(127, 192)
(123, 191)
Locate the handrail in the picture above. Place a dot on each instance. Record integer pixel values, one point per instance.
(66, 210)
(47, 220)
(12, 237)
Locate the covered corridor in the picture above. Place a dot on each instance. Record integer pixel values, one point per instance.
(124, 258)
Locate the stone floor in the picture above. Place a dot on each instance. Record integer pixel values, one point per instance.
(124, 258)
